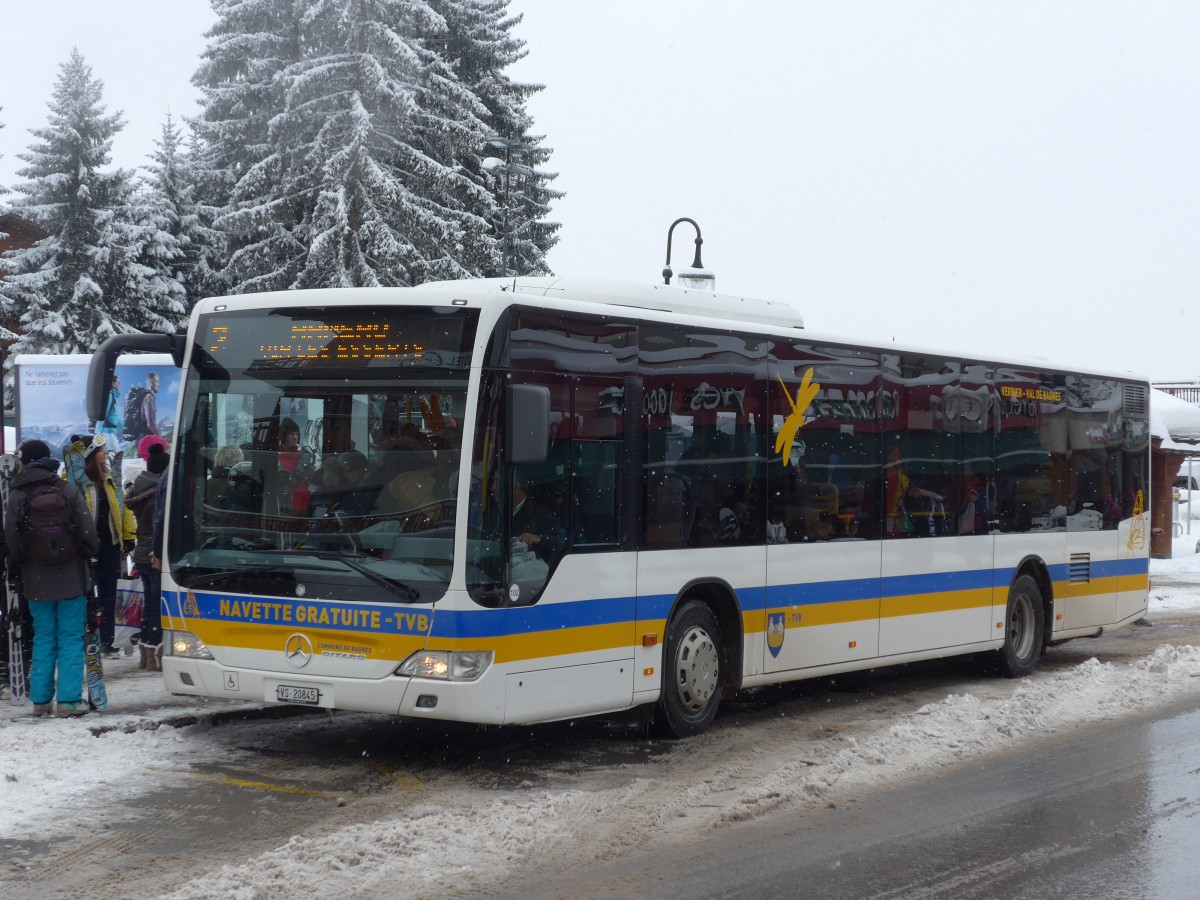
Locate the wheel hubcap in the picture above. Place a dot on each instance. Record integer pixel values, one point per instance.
(1020, 630)
(697, 668)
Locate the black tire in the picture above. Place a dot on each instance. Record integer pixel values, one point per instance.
(1024, 626)
(693, 660)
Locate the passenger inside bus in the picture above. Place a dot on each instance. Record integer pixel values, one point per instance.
(973, 518)
(670, 510)
(340, 489)
(218, 482)
(292, 487)
(416, 496)
(912, 510)
(734, 520)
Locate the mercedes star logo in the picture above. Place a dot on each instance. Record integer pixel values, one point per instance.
(298, 651)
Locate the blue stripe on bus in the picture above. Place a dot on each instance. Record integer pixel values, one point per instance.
(484, 623)
(1103, 568)
(528, 619)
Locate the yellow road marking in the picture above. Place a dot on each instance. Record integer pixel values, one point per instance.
(399, 777)
(261, 785)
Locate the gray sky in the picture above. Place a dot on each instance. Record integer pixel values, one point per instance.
(997, 178)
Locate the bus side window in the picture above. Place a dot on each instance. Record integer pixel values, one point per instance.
(670, 510)
(593, 509)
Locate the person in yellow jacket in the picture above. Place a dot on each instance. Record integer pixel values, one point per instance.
(117, 530)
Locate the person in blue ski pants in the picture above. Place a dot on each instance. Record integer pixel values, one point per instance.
(57, 593)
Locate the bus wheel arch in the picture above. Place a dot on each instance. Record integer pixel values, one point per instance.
(1027, 616)
(701, 659)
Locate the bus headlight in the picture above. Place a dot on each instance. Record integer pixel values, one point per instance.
(184, 643)
(447, 665)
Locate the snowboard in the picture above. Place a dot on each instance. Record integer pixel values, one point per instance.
(93, 659)
(13, 618)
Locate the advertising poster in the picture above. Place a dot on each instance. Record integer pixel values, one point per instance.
(51, 401)
(51, 405)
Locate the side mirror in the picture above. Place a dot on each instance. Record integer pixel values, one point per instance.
(528, 424)
(104, 363)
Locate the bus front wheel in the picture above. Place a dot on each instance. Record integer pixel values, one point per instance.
(692, 674)
(1023, 625)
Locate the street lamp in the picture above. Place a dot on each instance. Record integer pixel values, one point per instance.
(507, 168)
(697, 278)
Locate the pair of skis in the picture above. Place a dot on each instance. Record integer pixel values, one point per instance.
(18, 682)
(14, 624)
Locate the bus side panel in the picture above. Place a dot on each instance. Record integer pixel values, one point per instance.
(585, 614)
(1011, 551)
(1133, 578)
(822, 604)
(662, 576)
(568, 654)
(937, 592)
(1087, 583)
(573, 652)
(543, 695)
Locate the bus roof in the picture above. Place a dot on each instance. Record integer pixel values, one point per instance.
(660, 297)
(736, 310)
(732, 310)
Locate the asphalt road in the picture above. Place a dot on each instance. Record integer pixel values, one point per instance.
(1069, 815)
(1112, 812)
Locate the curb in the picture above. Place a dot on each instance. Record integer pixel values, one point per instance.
(214, 719)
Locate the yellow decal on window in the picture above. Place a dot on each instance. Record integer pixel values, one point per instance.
(1137, 528)
(795, 421)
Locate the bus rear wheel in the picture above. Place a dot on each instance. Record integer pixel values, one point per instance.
(692, 672)
(1024, 622)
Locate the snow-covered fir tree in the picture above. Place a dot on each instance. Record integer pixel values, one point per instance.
(351, 145)
(5, 333)
(481, 47)
(66, 290)
(193, 254)
(232, 160)
(209, 188)
(145, 260)
(3, 189)
(382, 122)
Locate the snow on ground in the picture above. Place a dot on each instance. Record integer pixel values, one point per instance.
(460, 843)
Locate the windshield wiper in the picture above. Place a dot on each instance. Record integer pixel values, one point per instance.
(272, 570)
(196, 580)
(396, 587)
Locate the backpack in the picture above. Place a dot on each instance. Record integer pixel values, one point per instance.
(49, 526)
(135, 418)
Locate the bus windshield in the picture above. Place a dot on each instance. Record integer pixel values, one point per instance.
(319, 453)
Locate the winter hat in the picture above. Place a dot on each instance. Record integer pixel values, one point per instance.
(31, 450)
(156, 456)
(144, 445)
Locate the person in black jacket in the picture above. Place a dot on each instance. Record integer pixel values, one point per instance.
(141, 498)
(535, 526)
(57, 593)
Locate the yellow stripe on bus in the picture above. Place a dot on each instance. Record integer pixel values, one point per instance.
(946, 601)
(1065, 590)
(261, 636)
(543, 644)
(623, 635)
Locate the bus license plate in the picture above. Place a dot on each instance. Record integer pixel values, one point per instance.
(287, 693)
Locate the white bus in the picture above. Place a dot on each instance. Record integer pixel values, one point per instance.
(522, 501)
